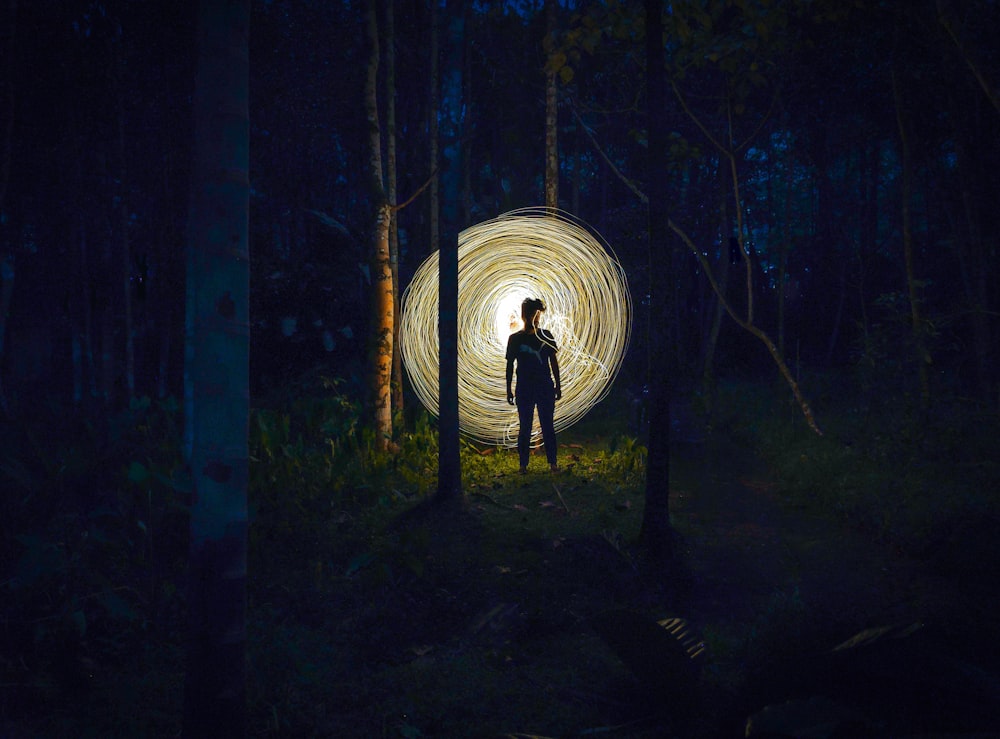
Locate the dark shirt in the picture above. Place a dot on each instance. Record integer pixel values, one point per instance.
(533, 353)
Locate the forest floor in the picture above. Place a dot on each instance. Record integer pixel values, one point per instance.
(529, 611)
(522, 613)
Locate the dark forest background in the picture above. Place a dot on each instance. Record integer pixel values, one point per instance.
(829, 109)
(829, 181)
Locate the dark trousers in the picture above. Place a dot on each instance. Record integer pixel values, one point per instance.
(545, 399)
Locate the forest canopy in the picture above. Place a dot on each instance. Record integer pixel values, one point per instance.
(861, 138)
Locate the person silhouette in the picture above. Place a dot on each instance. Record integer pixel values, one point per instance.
(533, 349)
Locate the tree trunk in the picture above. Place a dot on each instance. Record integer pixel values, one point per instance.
(7, 271)
(725, 247)
(551, 112)
(916, 322)
(449, 462)
(382, 319)
(433, 105)
(391, 177)
(656, 535)
(785, 247)
(467, 198)
(89, 371)
(125, 256)
(216, 375)
(751, 263)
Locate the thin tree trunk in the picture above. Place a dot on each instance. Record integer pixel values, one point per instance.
(551, 112)
(989, 88)
(124, 257)
(391, 177)
(125, 264)
(86, 299)
(433, 105)
(216, 377)
(975, 269)
(449, 489)
(382, 318)
(467, 197)
(786, 243)
(656, 534)
(108, 380)
(7, 264)
(977, 293)
(906, 184)
(725, 246)
(838, 316)
(747, 321)
(7, 273)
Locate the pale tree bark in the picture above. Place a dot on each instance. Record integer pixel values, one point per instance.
(656, 534)
(391, 185)
(551, 111)
(449, 489)
(216, 376)
(382, 317)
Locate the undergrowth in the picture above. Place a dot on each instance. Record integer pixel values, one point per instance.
(918, 479)
(94, 544)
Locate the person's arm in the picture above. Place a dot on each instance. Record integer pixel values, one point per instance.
(555, 374)
(510, 375)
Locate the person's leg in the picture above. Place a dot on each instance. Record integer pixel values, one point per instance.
(525, 417)
(546, 414)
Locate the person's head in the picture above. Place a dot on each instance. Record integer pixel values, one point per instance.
(530, 308)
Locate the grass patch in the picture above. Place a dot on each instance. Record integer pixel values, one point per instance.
(918, 480)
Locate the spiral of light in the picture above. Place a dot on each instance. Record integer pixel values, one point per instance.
(525, 253)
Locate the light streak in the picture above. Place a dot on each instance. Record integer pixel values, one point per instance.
(525, 253)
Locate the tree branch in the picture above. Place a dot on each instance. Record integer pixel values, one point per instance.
(746, 324)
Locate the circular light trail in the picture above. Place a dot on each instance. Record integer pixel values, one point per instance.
(525, 253)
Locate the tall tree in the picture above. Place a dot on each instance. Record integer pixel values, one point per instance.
(449, 463)
(391, 186)
(382, 318)
(6, 146)
(906, 224)
(551, 109)
(656, 536)
(216, 375)
(124, 257)
(433, 143)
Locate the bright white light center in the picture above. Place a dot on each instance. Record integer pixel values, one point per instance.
(508, 317)
(525, 254)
